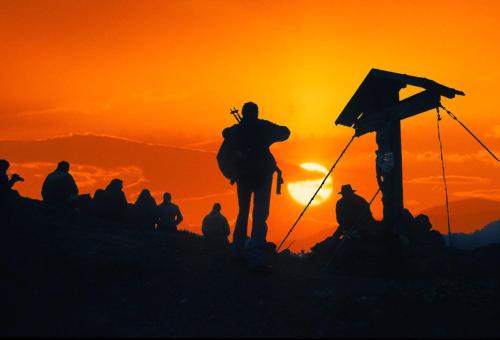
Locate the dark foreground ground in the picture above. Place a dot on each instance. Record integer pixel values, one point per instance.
(89, 278)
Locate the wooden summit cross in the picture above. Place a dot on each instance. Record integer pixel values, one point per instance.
(375, 107)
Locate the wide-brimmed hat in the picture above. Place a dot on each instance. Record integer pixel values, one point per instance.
(346, 189)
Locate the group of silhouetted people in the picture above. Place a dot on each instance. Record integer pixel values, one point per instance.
(252, 167)
(60, 194)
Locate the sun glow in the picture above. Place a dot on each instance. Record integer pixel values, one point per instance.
(302, 191)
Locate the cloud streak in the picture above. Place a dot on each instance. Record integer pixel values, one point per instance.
(451, 179)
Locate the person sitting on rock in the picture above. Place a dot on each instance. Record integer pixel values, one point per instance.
(111, 203)
(353, 216)
(215, 227)
(169, 214)
(145, 210)
(352, 210)
(115, 201)
(59, 187)
(8, 196)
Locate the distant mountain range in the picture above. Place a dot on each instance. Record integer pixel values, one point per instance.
(490, 234)
(465, 215)
(183, 171)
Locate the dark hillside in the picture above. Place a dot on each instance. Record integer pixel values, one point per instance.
(88, 278)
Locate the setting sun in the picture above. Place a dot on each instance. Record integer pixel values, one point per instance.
(302, 191)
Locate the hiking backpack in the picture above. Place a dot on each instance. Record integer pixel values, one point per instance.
(231, 159)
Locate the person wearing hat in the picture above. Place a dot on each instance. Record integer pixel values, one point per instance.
(352, 210)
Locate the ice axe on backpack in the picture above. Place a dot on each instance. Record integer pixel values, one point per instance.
(234, 112)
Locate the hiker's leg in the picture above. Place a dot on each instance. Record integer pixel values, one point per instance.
(261, 203)
(240, 230)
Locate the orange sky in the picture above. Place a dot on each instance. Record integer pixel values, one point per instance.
(167, 72)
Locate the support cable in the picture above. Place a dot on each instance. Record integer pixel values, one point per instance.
(444, 177)
(317, 190)
(469, 131)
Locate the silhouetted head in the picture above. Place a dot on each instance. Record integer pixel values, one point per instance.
(217, 207)
(63, 166)
(346, 190)
(115, 184)
(4, 165)
(167, 198)
(250, 111)
(145, 193)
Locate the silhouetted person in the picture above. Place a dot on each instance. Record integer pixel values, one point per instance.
(145, 210)
(169, 214)
(352, 210)
(6, 183)
(59, 186)
(353, 216)
(253, 137)
(9, 197)
(111, 203)
(215, 227)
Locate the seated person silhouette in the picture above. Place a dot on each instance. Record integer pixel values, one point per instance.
(352, 210)
(111, 203)
(353, 216)
(215, 227)
(59, 187)
(6, 183)
(8, 196)
(145, 211)
(169, 214)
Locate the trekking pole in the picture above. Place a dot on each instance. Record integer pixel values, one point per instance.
(345, 236)
(317, 190)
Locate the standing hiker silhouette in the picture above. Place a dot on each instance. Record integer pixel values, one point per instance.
(255, 166)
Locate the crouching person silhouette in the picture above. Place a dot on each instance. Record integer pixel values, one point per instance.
(9, 198)
(252, 137)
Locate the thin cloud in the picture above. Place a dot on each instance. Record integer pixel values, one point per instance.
(480, 156)
(451, 179)
(86, 176)
(200, 198)
(491, 194)
(495, 132)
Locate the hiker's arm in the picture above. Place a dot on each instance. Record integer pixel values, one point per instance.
(226, 227)
(179, 217)
(74, 188)
(276, 133)
(204, 226)
(338, 212)
(14, 179)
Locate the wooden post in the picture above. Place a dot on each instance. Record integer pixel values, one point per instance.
(387, 95)
(396, 205)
